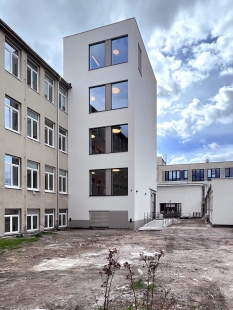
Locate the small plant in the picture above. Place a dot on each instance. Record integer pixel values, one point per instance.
(107, 275)
(130, 276)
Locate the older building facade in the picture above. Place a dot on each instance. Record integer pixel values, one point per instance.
(112, 127)
(33, 139)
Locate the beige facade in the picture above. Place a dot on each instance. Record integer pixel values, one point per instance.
(27, 146)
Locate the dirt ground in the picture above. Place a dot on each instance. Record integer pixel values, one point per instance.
(61, 270)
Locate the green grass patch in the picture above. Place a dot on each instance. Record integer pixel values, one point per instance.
(138, 285)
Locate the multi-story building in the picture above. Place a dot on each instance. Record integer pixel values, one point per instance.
(108, 130)
(112, 127)
(33, 139)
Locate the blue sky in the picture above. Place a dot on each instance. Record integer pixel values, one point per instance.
(190, 46)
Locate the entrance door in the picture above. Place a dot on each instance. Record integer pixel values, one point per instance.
(153, 205)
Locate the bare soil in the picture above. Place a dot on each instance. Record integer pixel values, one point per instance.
(61, 270)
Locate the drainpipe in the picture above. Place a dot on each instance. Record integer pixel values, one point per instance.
(57, 220)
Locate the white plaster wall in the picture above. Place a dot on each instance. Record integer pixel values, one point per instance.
(76, 51)
(188, 196)
(222, 201)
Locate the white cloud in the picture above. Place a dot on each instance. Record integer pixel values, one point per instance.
(213, 146)
(172, 128)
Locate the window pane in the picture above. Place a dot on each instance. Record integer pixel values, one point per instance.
(15, 120)
(34, 80)
(60, 184)
(120, 95)
(32, 165)
(97, 182)
(7, 224)
(97, 56)
(62, 172)
(15, 176)
(64, 184)
(46, 221)
(50, 93)
(119, 50)
(51, 182)
(7, 117)
(120, 181)
(29, 82)
(63, 103)
(46, 90)
(119, 138)
(29, 226)
(46, 135)
(15, 66)
(34, 222)
(50, 137)
(97, 140)
(7, 175)
(15, 223)
(29, 178)
(60, 142)
(32, 114)
(64, 219)
(7, 60)
(50, 220)
(46, 182)
(48, 169)
(59, 219)
(97, 99)
(35, 130)
(29, 129)
(63, 144)
(35, 182)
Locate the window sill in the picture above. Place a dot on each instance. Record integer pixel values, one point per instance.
(108, 110)
(12, 233)
(120, 63)
(12, 187)
(61, 193)
(48, 228)
(33, 89)
(50, 192)
(108, 195)
(63, 152)
(63, 111)
(108, 153)
(33, 190)
(33, 139)
(12, 130)
(13, 75)
(32, 230)
(52, 147)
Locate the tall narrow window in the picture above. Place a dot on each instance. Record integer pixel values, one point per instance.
(48, 88)
(213, 173)
(12, 171)
(12, 114)
(32, 75)
(120, 95)
(62, 140)
(62, 99)
(119, 50)
(49, 133)
(32, 175)
(139, 59)
(32, 125)
(97, 56)
(97, 140)
(11, 59)
(97, 182)
(228, 172)
(49, 218)
(97, 99)
(49, 179)
(32, 220)
(62, 181)
(62, 217)
(198, 175)
(119, 138)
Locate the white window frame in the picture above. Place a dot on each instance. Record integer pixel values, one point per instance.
(47, 131)
(11, 114)
(48, 82)
(31, 172)
(11, 172)
(62, 177)
(11, 58)
(61, 218)
(37, 126)
(47, 175)
(62, 95)
(36, 71)
(62, 141)
(47, 215)
(11, 221)
(37, 221)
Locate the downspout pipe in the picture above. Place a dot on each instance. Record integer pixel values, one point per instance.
(58, 158)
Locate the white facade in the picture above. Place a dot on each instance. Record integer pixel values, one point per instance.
(126, 211)
(220, 202)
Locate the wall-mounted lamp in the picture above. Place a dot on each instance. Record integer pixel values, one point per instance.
(130, 220)
(131, 190)
(145, 193)
(136, 191)
(70, 219)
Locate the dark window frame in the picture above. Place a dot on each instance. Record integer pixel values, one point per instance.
(194, 175)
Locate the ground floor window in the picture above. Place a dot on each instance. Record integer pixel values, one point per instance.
(62, 217)
(49, 218)
(32, 220)
(12, 221)
(170, 207)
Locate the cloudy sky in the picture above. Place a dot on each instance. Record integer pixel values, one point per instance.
(190, 46)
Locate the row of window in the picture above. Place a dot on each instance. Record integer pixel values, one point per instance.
(12, 61)
(107, 182)
(12, 122)
(197, 174)
(12, 220)
(108, 139)
(13, 169)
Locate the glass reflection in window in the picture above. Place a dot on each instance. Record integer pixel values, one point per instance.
(120, 181)
(97, 183)
(97, 56)
(97, 140)
(97, 99)
(120, 95)
(119, 138)
(119, 50)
